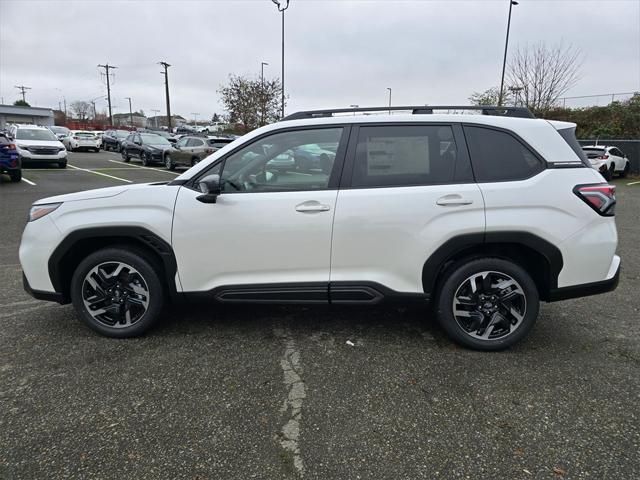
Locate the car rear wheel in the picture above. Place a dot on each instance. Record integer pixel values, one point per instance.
(625, 170)
(608, 174)
(487, 304)
(62, 164)
(194, 161)
(15, 175)
(117, 292)
(168, 162)
(146, 159)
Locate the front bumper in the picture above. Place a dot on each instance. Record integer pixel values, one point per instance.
(27, 155)
(587, 289)
(40, 295)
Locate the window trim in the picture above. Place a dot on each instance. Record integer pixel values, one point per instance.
(336, 172)
(347, 177)
(543, 163)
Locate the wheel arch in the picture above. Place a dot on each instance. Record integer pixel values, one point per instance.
(540, 258)
(80, 243)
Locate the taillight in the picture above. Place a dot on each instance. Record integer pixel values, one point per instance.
(600, 196)
(602, 157)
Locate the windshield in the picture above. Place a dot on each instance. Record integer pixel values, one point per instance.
(120, 133)
(35, 134)
(59, 130)
(152, 139)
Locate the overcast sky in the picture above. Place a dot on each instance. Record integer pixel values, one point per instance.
(338, 52)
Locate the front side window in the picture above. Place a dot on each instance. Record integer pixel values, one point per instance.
(195, 142)
(182, 142)
(498, 156)
(287, 161)
(388, 156)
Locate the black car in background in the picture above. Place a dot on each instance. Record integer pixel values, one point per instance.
(112, 139)
(148, 147)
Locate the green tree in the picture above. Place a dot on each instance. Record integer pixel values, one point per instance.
(250, 101)
(21, 103)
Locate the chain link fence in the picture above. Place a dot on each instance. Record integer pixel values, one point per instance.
(630, 147)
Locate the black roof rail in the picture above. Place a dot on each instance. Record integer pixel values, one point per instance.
(520, 112)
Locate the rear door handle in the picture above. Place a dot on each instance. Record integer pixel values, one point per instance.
(453, 200)
(312, 207)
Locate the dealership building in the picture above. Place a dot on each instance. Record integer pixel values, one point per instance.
(31, 115)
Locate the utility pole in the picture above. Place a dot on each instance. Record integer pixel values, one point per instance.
(106, 71)
(155, 117)
(388, 88)
(22, 89)
(195, 118)
(282, 6)
(166, 89)
(130, 112)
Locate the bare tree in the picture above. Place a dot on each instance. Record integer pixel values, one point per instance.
(490, 96)
(544, 73)
(250, 101)
(81, 109)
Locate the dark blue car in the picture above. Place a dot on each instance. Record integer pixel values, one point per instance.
(9, 159)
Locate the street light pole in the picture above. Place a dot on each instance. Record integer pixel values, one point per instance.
(130, 111)
(262, 100)
(506, 46)
(389, 100)
(354, 106)
(166, 90)
(155, 117)
(282, 6)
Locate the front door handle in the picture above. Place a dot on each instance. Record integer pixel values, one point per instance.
(453, 200)
(312, 207)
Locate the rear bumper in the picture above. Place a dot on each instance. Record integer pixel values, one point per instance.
(586, 289)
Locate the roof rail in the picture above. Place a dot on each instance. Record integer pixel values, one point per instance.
(520, 112)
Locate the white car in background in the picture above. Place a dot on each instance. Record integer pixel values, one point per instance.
(82, 140)
(607, 160)
(60, 132)
(98, 134)
(38, 145)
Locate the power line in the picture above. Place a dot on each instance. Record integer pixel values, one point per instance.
(166, 89)
(22, 89)
(106, 71)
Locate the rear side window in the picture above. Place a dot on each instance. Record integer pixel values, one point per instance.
(498, 156)
(389, 156)
(195, 142)
(569, 136)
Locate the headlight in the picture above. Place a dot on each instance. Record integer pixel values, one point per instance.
(23, 147)
(39, 211)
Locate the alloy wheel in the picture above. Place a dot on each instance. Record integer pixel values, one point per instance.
(115, 294)
(489, 305)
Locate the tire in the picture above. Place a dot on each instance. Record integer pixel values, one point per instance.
(467, 316)
(194, 161)
(168, 162)
(128, 303)
(144, 156)
(15, 175)
(125, 157)
(62, 164)
(625, 170)
(608, 175)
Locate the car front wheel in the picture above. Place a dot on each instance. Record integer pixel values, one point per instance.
(15, 175)
(168, 162)
(146, 159)
(488, 304)
(125, 156)
(117, 292)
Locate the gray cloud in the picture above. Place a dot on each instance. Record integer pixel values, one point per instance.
(338, 52)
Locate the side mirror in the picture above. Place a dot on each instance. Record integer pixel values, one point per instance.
(210, 188)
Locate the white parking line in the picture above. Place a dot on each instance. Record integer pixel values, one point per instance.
(146, 168)
(28, 181)
(99, 173)
(633, 183)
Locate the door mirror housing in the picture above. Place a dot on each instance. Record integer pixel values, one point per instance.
(210, 188)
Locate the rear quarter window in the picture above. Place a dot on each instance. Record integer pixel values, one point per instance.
(498, 156)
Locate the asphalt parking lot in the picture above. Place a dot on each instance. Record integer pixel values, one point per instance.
(277, 392)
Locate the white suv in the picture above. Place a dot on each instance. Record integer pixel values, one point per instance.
(37, 144)
(607, 160)
(482, 215)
